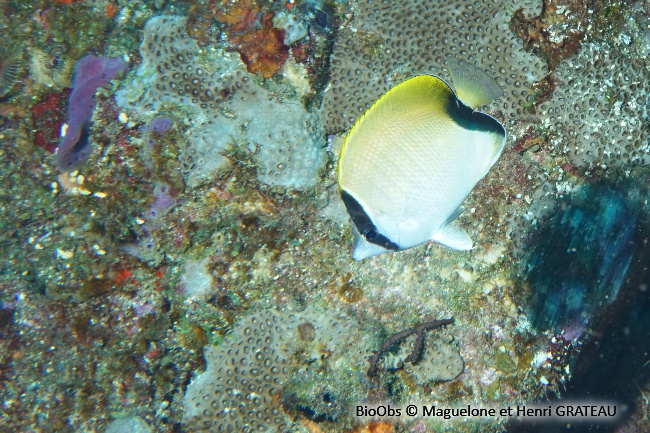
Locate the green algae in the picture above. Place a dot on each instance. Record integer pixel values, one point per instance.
(504, 363)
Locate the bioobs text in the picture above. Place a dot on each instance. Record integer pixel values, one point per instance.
(381, 411)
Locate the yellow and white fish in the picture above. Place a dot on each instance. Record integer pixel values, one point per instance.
(410, 161)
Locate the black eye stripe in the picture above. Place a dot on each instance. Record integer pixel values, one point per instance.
(370, 234)
(364, 225)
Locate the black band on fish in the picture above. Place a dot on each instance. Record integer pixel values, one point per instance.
(364, 225)
(472, 120)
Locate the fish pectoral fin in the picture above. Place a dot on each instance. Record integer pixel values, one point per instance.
(454, 237)
(473, 85)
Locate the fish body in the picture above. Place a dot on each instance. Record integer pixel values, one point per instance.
(410, 161)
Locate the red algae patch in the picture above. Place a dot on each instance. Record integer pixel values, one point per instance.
(47, 117)
(260, 45)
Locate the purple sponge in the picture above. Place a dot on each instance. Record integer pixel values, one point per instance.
(91, 72)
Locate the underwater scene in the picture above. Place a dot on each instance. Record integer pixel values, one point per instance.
(324, 216)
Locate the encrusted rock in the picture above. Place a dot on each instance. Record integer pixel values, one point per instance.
(439, 361)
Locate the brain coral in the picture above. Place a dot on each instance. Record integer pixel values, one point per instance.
(388, 41)
(598, 116)
(282, 362)
(224, 105)
(242, 387)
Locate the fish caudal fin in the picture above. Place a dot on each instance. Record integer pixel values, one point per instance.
(473, 86)
(454, 237)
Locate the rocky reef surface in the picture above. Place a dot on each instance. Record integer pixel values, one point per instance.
(192, 271)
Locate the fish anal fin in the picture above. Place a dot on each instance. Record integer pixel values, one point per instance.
(454, 237)
(473, 86)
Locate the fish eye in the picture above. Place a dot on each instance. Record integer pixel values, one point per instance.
(370, 234)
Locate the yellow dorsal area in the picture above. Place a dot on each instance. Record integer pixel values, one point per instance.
(473, 86)
(423, 95)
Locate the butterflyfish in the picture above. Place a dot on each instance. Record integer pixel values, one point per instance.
(412, 158)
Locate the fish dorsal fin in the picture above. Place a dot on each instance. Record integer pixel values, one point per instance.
(473, 86)
(454, 237)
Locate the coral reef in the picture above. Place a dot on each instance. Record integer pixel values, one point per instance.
(591, 110)
(389, 41)
(299, 363)
(598, 115)
(248, 377)
(226, 107)
(118, 281)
